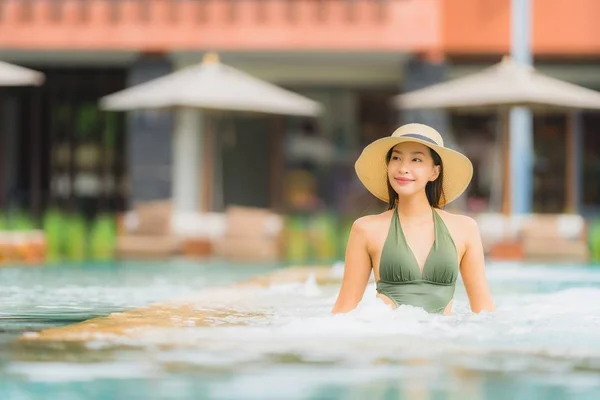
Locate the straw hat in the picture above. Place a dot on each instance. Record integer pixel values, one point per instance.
(371, 166)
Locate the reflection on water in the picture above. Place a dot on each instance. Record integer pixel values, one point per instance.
(281, 342)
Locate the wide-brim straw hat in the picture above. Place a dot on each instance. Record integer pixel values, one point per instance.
(371, 166)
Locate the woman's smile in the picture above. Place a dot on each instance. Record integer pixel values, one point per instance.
(403, 180)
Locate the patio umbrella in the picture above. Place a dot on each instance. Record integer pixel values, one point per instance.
(14, 75)
(213, 86)
(505, 84)
(208, 86)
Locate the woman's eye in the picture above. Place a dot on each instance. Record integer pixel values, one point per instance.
(417, 159)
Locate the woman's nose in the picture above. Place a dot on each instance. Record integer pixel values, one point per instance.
(403, 168)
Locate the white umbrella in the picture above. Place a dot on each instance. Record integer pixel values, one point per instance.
(211, 85)
(14, 75)
(500, 87)
(505, 84)
(207, 86)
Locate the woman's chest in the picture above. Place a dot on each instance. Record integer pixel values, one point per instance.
(414, 242)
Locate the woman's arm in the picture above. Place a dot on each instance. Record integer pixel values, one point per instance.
(357, 270)
(472, 269)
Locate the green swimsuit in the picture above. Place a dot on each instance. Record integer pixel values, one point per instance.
(400, 276)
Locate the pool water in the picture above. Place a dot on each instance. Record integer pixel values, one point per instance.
(33, 298)
(281, 342)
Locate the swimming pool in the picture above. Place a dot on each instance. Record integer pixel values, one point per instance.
(280, 342)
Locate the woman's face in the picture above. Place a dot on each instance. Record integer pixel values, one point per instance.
(410, 168)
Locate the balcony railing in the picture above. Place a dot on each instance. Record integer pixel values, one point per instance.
(202, 10)
(184, 23)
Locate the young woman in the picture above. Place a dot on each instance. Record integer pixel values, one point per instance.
(415, 249)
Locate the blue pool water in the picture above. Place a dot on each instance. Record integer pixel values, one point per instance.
(281, 343)
(36, 297)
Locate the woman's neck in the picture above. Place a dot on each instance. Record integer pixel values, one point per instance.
(414, 207)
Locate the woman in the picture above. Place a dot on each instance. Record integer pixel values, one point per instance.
(414, 249)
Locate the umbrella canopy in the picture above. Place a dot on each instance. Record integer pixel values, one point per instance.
(211, 85)
(14, 75)
(505, 84)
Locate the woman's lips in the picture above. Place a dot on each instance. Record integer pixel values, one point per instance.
(403, 181)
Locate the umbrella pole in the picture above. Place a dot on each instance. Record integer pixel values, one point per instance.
(218, 123)
(207, 139)
(506, 194)
(186, 156)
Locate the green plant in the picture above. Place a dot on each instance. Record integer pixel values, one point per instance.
(76, 238)
(54, 223)
(594, 240)
(103, 238)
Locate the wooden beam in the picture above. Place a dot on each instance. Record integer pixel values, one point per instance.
(3, 134)
(276, 151)
(35, 148)
(573, 158)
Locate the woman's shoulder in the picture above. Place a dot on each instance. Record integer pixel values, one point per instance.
(459, 222)
(374, 221)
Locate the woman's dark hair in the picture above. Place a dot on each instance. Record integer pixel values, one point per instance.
(434, 190)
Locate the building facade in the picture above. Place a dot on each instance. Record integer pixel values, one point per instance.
(59, 149)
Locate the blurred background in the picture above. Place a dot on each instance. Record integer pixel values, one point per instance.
(83, 180)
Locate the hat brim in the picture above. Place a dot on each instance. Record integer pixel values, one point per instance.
(371, 168)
